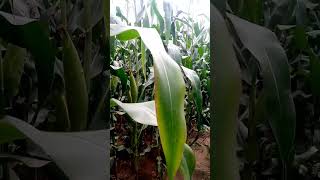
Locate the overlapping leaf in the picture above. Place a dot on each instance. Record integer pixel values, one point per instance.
(80, 155)
(144, 113)
(169, 96)
(226, 89)
(20, 31)
(273, 61)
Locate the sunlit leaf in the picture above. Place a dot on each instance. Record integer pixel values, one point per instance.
(169, 96)
(143, 113)
(196, 89)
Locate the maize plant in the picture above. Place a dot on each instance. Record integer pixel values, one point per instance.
(54, 110)
(159, 75)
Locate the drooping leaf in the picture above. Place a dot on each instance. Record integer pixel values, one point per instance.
(13, 64)
(169, 96)
(273, 61)
(226, 89)
(196, 89)
(75, 85)
(80, 155)
(143, 113)
(20, 31)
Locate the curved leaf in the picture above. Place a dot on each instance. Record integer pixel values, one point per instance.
(226, 89)
(143, 113)
(175, 54)
(75, 85)
(188, 162)
(273, 61)
(196, 89)
(169, 94)
(80, 155)
(133, 88)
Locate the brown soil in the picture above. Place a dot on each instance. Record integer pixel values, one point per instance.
(125, 169)
(201, 150)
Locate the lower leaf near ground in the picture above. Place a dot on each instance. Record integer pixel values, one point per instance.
(80, 155)
(169, 93)
(144, 113)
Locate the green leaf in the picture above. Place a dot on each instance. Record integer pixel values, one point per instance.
(61, 111)
(188, 162)
(196, 89)
(157, 13)
(8, 134)
(167, 17)
(252, 10)
(169, 96)
(174, 52)
(75, 85)
(80, 155)
(133, 88)
(143, 113)
(13, 66)
(21, 32)
(121, 74)
(273, 61)
(143, 60)
(226, 90)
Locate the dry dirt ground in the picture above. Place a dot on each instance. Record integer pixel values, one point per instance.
(148, 166)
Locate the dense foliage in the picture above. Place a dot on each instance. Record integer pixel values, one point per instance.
(273, 56)
(153, 61)
(54, 80)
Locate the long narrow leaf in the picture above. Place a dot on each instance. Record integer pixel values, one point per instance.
(80, 155)
(226, 89)
(273, 61)
(144, 113)
(169, 96)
